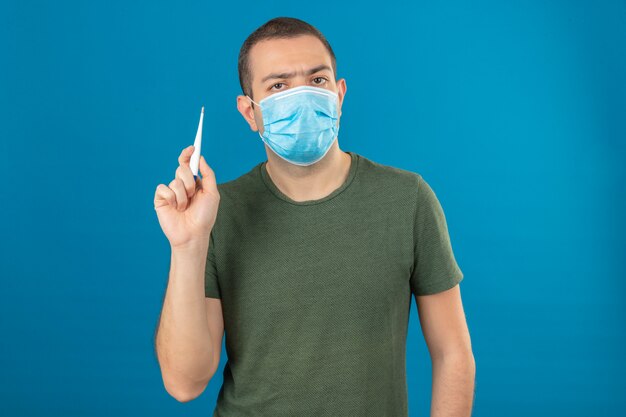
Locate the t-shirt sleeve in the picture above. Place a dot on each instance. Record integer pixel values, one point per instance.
(211, 285)
(434, 269)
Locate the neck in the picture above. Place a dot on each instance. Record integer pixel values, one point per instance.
(312, 182)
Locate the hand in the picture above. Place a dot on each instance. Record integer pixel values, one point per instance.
(186, 208)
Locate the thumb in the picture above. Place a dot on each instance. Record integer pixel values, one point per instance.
(208, 176)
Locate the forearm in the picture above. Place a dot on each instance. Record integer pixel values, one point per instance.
(453, 385)
(183, 340)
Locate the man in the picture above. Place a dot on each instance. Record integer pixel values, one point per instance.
(310, 262)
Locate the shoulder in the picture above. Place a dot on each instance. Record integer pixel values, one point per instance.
(237, 197)
(397, 179)
(389, 177)
(240, 188)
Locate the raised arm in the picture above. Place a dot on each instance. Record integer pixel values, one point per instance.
(189, 333)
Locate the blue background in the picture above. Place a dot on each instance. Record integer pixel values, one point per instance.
(514, 112)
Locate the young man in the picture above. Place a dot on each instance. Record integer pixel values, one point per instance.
(310, 262)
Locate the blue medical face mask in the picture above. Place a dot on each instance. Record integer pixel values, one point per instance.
(300, 123)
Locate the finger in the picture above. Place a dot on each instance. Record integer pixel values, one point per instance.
(181, 195)
(164, 196)
(208, 176)
(186, 176)
(185, 156)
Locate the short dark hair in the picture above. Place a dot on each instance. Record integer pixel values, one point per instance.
(276, 28)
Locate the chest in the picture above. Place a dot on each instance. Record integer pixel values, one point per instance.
(282, 262)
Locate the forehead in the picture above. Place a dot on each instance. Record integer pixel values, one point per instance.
(292, 54)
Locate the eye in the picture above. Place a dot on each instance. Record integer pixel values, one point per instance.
(323, 80)
(272, 88)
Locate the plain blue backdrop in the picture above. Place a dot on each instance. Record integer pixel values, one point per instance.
(514, 112)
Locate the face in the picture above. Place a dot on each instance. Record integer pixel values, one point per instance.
(280, 64)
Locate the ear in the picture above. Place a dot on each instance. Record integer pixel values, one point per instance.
(341, 92)
(245, 108)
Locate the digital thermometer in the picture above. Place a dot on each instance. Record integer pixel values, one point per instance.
(197, 144)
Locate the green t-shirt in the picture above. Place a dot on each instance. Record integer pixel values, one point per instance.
(316, 294)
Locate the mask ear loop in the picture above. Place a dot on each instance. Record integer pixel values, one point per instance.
(253, 100)
(258, 131)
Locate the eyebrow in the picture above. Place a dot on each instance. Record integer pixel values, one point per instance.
(291, 74)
